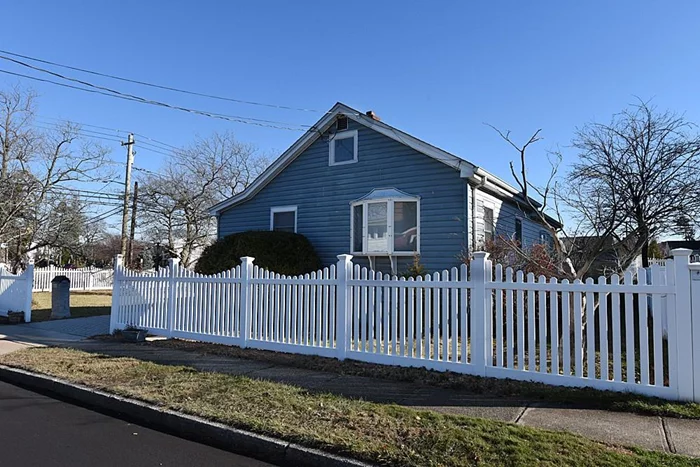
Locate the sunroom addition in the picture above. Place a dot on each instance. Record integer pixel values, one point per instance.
(385, 222)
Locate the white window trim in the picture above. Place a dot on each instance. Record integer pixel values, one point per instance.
(277, 209)
(331, 144)
(390, 227)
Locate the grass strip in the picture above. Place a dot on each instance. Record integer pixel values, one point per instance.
(383, 434)
(82, 304)
(507, 388)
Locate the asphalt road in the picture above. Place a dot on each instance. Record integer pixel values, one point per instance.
(36, 430)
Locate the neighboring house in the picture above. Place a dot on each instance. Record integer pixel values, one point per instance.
(610, 258)
(353, 184)
(669, 245)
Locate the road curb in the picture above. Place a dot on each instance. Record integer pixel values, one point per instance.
(264, 448)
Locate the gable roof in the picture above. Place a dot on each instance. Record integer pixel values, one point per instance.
(466, 168)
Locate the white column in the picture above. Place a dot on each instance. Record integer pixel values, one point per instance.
(29, 278)
(115, 294)
(684, 330)
(246, 299)
(344, 270)
(480, 332)
(173, 267)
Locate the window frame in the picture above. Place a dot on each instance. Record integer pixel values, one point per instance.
(518, 236)
(331, 147)
(276, 209)
(390, 226)
(492, 224)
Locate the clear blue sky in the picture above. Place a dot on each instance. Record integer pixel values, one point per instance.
(437, 70)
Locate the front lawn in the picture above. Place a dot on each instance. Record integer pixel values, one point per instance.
(82, 304)
(383, 434)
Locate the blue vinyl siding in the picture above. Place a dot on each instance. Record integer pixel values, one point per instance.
(323, 195)
(505, 215)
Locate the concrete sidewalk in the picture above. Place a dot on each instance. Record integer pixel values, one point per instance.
(57, 332)
(626, 429)
(657, 433)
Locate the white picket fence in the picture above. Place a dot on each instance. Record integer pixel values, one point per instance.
(607, 334)
(80, 279)
(16, 292)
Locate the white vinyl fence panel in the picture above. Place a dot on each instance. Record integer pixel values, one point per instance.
(80, 279)
(629, 333)
(16, 292)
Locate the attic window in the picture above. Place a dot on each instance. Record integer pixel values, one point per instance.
(342, 123)
(343, 148)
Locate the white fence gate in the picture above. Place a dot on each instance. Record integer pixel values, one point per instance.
(16, 292)
(607, 334)
(80, 279)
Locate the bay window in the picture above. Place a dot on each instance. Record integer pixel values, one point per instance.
(385, 222)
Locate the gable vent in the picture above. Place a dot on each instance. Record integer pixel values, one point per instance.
(342, 123)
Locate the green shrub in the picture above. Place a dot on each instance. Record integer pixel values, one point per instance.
(280, 252)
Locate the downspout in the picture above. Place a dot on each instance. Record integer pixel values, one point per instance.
(473, 219)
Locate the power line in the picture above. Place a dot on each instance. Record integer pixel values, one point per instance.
(79, 132)
(103, 216)
(163, 145)
(130, 97)
(158, 86)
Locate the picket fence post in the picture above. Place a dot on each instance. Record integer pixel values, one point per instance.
(29, 278)
(173, 264)
(480, 342)
(695, 318)
(246, 299)
(91, 280)
(680, 278)
(115, 294)
(343, 270)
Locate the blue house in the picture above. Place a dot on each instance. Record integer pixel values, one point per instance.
(353, 184)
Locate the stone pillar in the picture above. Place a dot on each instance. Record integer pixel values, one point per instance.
(60, 297)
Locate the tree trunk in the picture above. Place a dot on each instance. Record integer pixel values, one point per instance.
(645, 254)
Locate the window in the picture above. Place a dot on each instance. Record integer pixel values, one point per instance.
(386, 222)
(283, 219)
(544, 237)
(519, 231)
(488, 224)
(343, 148)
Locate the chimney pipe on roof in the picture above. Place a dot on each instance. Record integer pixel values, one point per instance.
(373, 116)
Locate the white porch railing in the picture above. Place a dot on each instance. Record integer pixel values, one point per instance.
(606, 334)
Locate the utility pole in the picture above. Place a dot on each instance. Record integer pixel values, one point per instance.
(130, 250)
(127, 184)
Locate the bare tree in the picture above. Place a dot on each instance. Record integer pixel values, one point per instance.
(540, 209)
(37, 168)
(643, 166)
(16, 134)
(175, 202)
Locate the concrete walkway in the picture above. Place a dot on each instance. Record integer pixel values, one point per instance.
(657, 433)
(57, 332)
